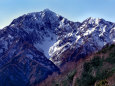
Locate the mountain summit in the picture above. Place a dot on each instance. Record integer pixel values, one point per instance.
(42, 29)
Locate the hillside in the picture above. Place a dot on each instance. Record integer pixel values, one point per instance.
(98, 69)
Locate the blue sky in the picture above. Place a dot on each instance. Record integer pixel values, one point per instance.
(75, 10)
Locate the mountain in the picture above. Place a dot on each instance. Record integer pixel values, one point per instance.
(42, 29)
(21, 62)
(35, 45)
(24, 46)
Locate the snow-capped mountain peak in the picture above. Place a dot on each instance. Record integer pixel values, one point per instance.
(43, 28)
(92, 20)
(91, 35)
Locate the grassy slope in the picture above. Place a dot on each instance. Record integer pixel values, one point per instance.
(95, 70)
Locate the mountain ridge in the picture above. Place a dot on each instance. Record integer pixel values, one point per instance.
(49, 41)
(53, 29)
